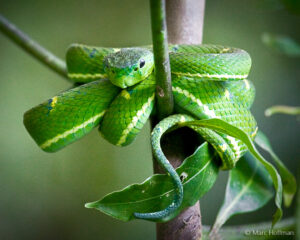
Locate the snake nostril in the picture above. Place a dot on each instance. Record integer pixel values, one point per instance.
(135, 69)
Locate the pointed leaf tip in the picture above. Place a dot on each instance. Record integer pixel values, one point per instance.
(156, 192)
(90, 205)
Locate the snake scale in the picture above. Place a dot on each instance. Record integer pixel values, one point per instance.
(117, 94)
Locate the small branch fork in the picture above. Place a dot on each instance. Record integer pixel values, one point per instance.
(32, 47)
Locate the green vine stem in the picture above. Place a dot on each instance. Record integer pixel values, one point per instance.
(32, 47)
(282, 109)
(161, 58)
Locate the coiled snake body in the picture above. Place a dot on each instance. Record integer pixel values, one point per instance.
(208, 81)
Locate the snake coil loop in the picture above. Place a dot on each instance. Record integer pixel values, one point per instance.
(118, 95)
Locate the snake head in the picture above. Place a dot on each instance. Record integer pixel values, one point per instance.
(128, 66)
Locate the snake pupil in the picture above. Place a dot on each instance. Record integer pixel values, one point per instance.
(142, 63)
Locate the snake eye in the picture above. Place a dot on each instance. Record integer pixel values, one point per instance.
(142, 63)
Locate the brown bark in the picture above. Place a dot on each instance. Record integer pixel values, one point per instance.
(177, 146)
(185, 26)
(185, 20)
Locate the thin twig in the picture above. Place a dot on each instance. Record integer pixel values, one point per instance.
(161, 57)
(185, 26)
(32, 47)
(282, 109)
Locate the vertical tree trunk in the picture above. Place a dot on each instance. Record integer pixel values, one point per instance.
(185, 26)
(185, 20)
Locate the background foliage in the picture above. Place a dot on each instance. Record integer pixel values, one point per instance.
(42, 195)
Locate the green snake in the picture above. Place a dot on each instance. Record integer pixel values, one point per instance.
(117, 94)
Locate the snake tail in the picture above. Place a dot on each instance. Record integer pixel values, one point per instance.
(156, 135)
(217, 141)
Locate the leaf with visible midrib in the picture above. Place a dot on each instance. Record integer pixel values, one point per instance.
(199, 173)
(288, 180)
(224, 127)
(249, 187)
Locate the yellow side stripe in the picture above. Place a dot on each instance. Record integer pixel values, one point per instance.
(134, 121)
(247, 84)
(53, 102)
(254, 133)
(49, 142)
(227, 94)
(190, 96)
(217, 76)
(211, 114)
(236, 146)
(86, 75)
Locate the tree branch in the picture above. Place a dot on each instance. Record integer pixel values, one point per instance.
(185, 24)
(32, 47)
(282, 109)
(185, 21)
(164, 95)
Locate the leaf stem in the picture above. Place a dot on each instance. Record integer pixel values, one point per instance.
(32, 47)
(164, 95)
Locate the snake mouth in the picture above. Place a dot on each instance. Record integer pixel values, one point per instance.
(124, 81)
(120, 85)
(123, 86)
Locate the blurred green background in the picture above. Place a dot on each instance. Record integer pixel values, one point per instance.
(42, 195)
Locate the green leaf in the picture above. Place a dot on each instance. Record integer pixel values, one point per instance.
(281, 44)
(198, 173)
(224, 127)
(288, 180)
(249, 187)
